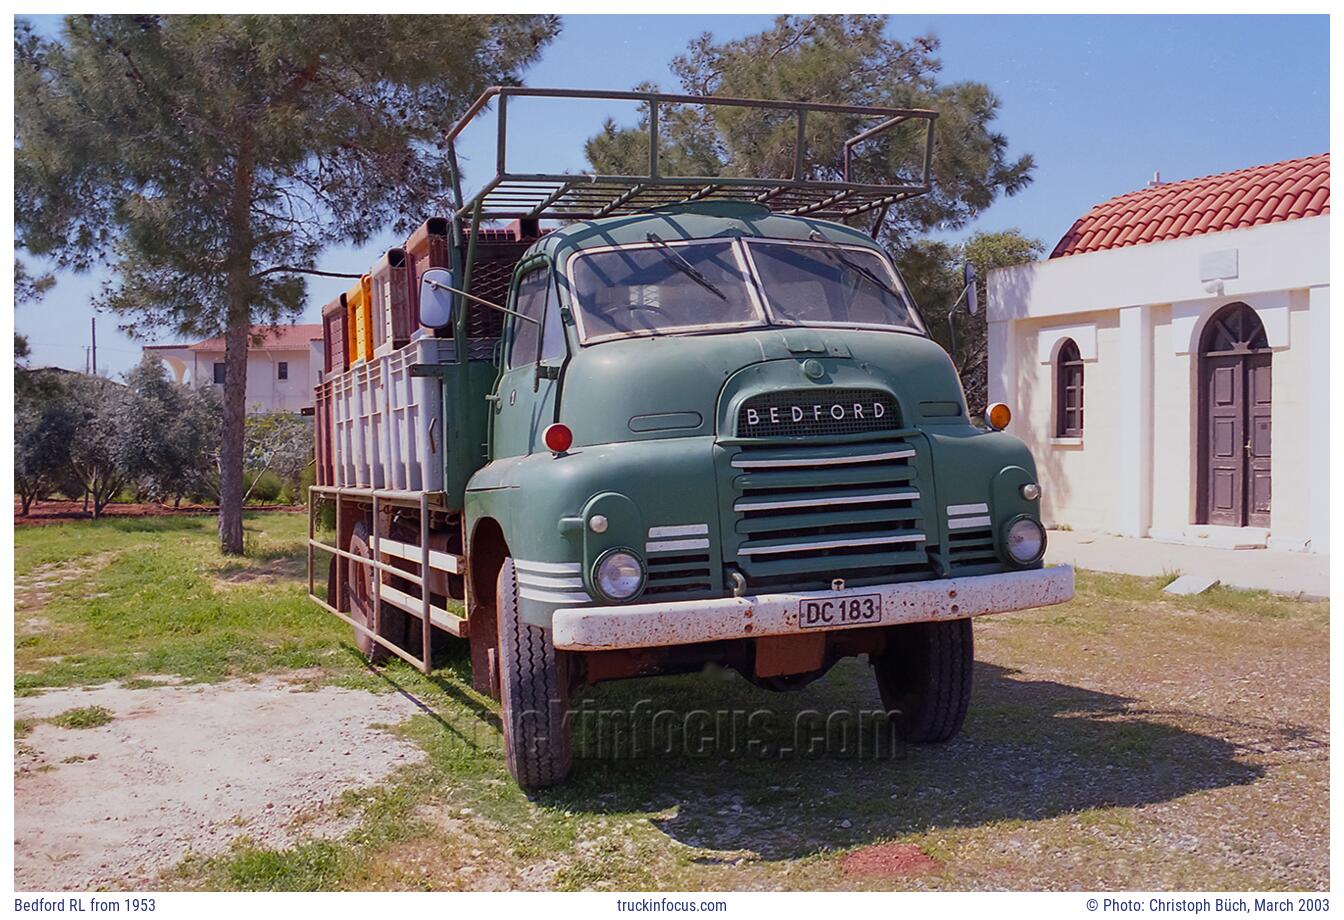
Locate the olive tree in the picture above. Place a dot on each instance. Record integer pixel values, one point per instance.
(166, 443)
(209, 159)
(281, 443)
(96, 445)
(44, 427)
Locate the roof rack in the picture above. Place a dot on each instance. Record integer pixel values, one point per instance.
(567, 196)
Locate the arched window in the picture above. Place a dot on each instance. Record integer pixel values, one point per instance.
(1068, 391)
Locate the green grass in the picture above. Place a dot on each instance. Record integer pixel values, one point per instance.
(82, 717)
(128, 598)
(318, 865)
(1106, 587)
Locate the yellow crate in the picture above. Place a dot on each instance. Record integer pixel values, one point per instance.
(359, 320)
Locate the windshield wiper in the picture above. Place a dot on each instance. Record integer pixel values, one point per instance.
(670, 254)
(855, 266)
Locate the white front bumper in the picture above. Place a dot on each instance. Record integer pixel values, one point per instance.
(682, 622)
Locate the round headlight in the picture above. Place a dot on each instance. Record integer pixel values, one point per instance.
(1031, 491)
(1025, 541)
(619, 575)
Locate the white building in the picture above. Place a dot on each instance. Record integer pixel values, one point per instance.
(283, 364)
(1168, 364)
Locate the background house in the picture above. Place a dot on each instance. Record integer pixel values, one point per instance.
(283, 364)
(1168, 364)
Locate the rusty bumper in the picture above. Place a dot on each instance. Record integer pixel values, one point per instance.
(682, 622)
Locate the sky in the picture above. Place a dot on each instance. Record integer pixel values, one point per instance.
(1101, 102)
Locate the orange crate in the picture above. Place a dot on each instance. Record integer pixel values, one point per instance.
(359, 321)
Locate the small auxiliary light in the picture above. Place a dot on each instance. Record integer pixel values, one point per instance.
(557, 438)
(997, 416)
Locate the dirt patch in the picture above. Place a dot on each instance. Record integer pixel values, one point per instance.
(33, 589)
(888, 859)
(187, 770)
(277, 570)
(63, 512)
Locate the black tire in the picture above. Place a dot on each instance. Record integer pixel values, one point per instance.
(925, 679)
(534, 694)
(359, 588)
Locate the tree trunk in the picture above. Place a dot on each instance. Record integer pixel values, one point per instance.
(25, 502)
(235, 355)
(231, 442)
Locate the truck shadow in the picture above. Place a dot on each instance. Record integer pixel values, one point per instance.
(726, 767)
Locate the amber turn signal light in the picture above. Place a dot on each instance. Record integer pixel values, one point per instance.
(997, 416)
(557, 438)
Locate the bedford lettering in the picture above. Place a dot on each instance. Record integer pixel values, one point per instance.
(838, 411)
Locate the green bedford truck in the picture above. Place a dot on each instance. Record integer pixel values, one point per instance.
(714, 429)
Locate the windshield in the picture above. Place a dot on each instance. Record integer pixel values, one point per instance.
(826, 285)
(661, 288)
(676, 287)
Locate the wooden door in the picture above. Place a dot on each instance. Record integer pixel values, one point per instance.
(1258, 405)
(1235, 411)
(1225, 429)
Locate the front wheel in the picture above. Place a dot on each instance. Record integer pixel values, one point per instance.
(533, 694)
(925, 679)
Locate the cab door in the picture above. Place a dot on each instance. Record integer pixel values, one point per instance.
(525, 399)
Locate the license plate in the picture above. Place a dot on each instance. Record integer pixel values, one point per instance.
(850, 610)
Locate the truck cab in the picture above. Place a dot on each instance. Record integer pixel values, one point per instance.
(716, 432)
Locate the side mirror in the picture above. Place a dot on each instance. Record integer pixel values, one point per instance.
(972, 293)
(437, 298)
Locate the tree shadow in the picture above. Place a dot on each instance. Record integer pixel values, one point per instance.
(1030, 750)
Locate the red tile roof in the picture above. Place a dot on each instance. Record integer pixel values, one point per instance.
(294, 337)
(1228, 201)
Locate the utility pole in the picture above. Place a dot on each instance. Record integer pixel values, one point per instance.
(93, 337)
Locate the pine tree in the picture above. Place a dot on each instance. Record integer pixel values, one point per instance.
(209, 159)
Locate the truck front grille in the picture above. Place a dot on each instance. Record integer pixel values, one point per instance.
(677, 575)
(678, 561)
(970, 537)
(805, 514)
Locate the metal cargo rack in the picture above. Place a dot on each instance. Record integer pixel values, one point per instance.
(428, 560)
(561, 196)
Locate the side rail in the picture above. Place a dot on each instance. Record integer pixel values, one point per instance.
(427, 562)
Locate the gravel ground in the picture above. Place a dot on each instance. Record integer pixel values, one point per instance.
(187, 770)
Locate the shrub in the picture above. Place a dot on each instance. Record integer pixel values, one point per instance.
(263, 488)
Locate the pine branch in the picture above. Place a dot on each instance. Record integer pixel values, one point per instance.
(296, 270)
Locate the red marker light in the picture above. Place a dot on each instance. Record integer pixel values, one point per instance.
(558, 438)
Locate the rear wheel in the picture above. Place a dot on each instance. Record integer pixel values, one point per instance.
(359, 588)
(925, 679)
(533, 693)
